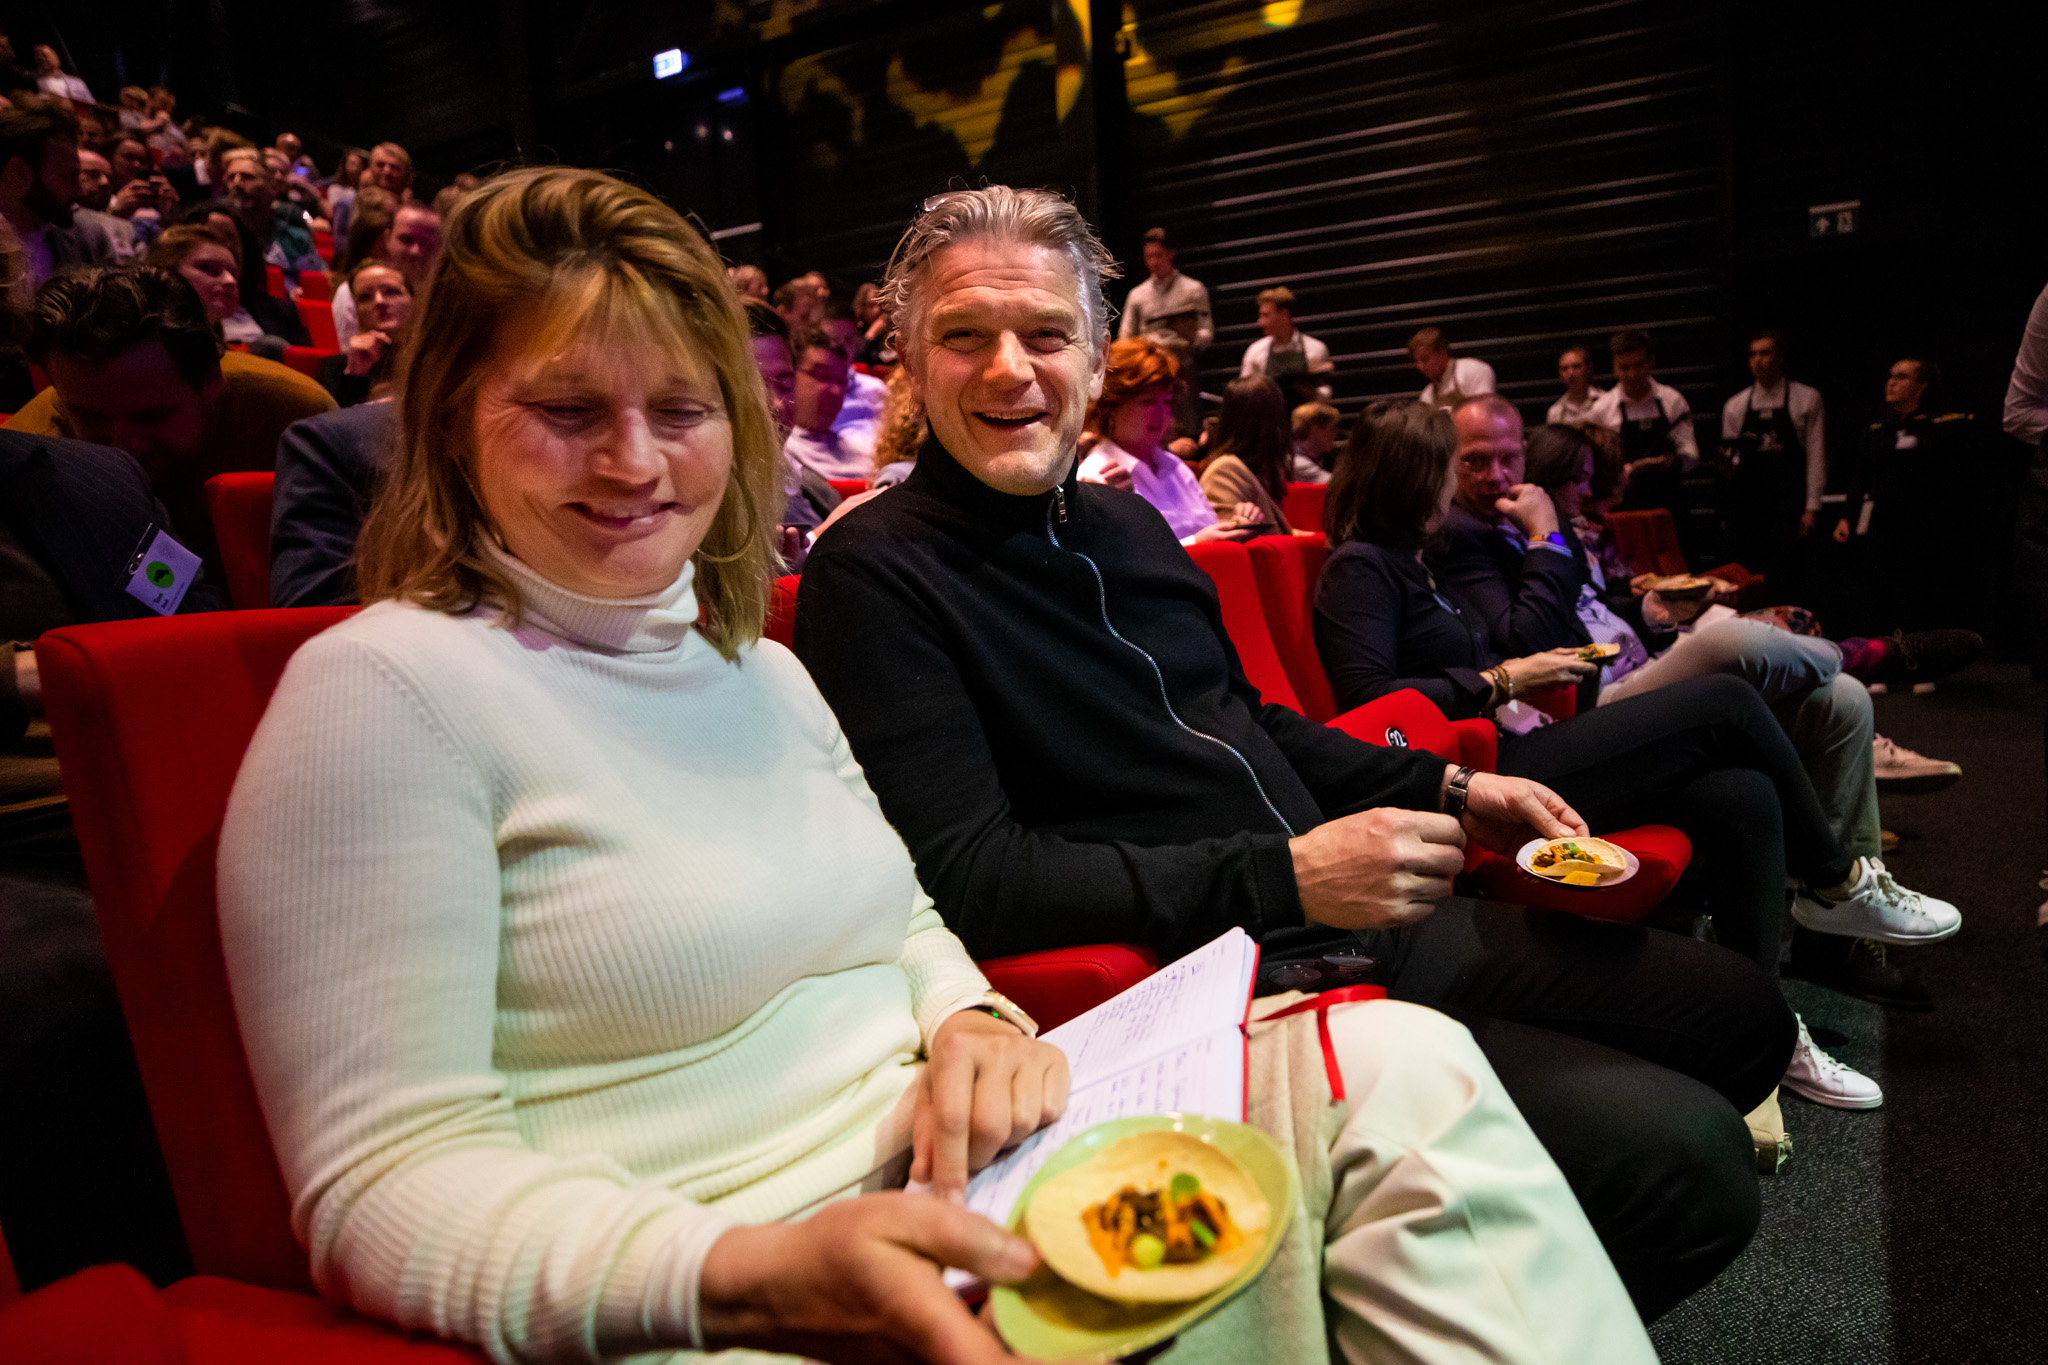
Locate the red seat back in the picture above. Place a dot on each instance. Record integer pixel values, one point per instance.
(1648, 540)
(323, 245)
(315, 285)
(1230, 566)
(150, 720)
(306, 359)
(273, 276)
(240, 507)
(1304, 506)
(318, 315)
(1056, 985)
(1287, 569)
(847, 488)
(781, 626)
(1403, 720)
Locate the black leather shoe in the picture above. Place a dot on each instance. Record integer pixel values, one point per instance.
(1920, 656)
(1858, 967)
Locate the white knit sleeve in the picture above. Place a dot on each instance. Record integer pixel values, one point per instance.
(359, 910)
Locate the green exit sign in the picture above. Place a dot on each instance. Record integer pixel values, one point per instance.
(1834, 220)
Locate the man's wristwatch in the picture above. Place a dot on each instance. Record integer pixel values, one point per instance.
(1458, 792)
(1008, 1010)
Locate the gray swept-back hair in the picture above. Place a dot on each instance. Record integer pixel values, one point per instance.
(998, 213)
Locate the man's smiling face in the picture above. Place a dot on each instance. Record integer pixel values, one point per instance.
(1003, 362)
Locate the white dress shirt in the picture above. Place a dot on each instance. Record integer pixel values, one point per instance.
(835, 454)
(1315, 353)
(1615, 405)
(1566, 412)
(861, 414)
(1165, 481)
(1465, 376)
(1809, 419)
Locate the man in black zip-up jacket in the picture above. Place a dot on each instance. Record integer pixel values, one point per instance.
(1108, 773)
(1037, 681)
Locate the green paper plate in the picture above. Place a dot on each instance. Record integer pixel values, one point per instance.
(1049, 1319)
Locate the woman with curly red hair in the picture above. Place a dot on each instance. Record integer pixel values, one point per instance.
(1130, 420)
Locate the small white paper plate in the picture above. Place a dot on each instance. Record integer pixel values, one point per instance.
(1528, 851)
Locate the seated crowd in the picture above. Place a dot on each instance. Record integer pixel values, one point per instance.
(607, 972)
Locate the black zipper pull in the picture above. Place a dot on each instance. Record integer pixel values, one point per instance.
(1059, 503)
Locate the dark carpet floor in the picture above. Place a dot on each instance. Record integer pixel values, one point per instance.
(1918, 1233)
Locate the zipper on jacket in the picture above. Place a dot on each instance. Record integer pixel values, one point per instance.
(1059, 503)
(1059, 507)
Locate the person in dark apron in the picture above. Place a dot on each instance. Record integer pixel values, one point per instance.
(1656, 445)
(1764, 491)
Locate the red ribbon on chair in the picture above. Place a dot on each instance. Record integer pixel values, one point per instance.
(1320, 1004)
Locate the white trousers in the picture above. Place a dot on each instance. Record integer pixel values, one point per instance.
(1452, 1238)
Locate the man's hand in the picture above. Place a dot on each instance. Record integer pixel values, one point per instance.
(1377, 869)
(1530, 509)
(136, 194)
(1806, 521)
(1503, 813)
(859, 1281)
(986, 1087)
(1842, 531)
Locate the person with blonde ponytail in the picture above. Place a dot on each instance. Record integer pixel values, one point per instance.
(572, 955)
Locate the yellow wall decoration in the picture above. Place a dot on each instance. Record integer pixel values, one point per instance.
(973, 120)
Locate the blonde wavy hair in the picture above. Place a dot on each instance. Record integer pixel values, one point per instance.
(567, 253)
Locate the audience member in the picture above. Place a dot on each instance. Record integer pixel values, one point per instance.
(1283, 354)
(1575, 370)
(327, 470)
(1774, 445)
(1314, 426)
(1037, 683)
(821, 383)
(410, 243)
(901, 432)
(877, 334)
(362, 371)
(15, 80)
(95, 192)
(1250, 455)
(134, 362)
(340, 188)
(52, 78)
(1655, 422)
(1131, 417)
(808, 497)
(1451, 380)
(1701, 752)
(800, 303)
(211, 267)
(1172, 310)
(39, 181)
(172, 147)
(140, 194)
(749, 282)
(272, 232)
(389, 168)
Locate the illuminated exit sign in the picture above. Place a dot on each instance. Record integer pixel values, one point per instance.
(670, 63)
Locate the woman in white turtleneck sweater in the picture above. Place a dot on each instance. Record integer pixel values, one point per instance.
(569, 946)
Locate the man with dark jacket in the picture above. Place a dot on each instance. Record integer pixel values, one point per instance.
(1037, 683)
(327, 468)
(81, 1182)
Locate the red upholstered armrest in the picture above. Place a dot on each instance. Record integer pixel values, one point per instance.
(1559, 703)
(1056, 985)
(1663, 851)
(228, 1323)
(108, 1315)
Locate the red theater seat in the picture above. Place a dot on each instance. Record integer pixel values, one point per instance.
(781, 626)
(323, 244)
(273, 276)
(240, 507)
(306, 359)
(1229, 564)
(318, 315)
(1648, 542)
(847, 488)
(315, 285)
(111, 1315)
(1304, 505)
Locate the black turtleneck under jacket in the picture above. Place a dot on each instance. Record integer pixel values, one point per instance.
(1045, 702)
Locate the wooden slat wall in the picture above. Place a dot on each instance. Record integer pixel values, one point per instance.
(1524, 176)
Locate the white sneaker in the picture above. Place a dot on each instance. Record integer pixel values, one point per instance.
(1824, 1080)
(1900, 771)
(1878, 907)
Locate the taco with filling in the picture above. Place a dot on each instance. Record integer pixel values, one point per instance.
(1158, 1217)
(1578, 862)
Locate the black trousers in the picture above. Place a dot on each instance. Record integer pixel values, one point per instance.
(1633, 1053)
(1707, 756)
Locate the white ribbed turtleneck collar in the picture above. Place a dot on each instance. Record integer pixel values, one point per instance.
(626, 625)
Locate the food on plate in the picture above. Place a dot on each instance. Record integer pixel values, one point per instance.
(1681, 587)
(1599, 653)
(1159, 1217)
(1578, 862)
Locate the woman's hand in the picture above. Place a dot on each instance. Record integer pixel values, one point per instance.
(1842, 531)
(365, 349)
(859, 1282)
(1548, 669)
(1223, 530)
(1503, 813)
(985, 1088)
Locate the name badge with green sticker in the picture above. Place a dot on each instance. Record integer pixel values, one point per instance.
(162, 571)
